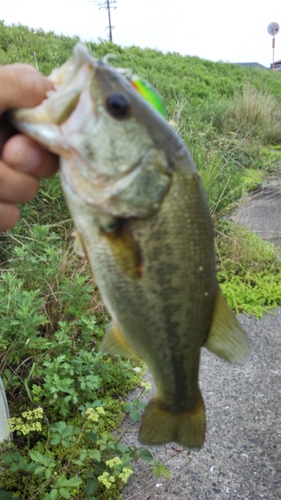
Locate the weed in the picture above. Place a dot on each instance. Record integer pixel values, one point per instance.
(249, 271)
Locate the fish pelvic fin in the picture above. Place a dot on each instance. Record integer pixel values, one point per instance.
(226, 338)
(114, 343)
(160, 425)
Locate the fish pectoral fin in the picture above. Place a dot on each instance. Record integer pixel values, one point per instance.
(78, 246)
(160, 425)
(123, 247)
(226, 338)
(114, 343)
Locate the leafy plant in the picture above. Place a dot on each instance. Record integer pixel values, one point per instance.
(133, 408)
(249, 271)
(64, 396)
(71, 461)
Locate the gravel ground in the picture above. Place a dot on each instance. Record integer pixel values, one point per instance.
(241, 457)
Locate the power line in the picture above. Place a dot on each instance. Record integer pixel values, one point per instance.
(107, 4)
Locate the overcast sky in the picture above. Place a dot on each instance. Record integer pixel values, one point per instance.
(218, 30)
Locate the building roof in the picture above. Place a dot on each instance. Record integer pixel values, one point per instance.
(251, 65)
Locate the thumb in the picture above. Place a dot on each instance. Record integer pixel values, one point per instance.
(21, 86)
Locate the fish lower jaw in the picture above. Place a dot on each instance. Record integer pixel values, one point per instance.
(46, 134)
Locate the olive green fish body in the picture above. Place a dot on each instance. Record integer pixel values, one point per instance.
(169, 268)
(157, 279)
(143, 221)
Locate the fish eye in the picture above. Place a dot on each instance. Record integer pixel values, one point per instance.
(118, 105)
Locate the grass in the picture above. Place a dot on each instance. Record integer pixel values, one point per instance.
(52, 321)
(249, 270)
(52, 317)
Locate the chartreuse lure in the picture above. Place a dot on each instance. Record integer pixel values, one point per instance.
(148, 92)
(145, 89)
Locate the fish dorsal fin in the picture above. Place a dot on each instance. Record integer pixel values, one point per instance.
(226, 338)
(114, 343)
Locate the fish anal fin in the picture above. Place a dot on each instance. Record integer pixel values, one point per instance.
(124, 248)
(114, 343)
(226, 338)
(160, 425)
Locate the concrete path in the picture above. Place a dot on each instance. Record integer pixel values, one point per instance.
(4, 413)
(261, 211)
(241, 458)
(242, 453)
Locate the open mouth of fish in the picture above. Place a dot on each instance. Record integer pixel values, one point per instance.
(68, 122)
(52, 121)
(63, 115)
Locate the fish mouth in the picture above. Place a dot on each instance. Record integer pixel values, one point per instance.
(68, 112)
(65, 113)
(45, 122)
(69, 121)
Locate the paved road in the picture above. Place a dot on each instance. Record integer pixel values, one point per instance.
(241, 458)
(260, 211)
(242, 453)
(4, 413)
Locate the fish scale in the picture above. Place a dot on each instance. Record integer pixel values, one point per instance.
(142, 218)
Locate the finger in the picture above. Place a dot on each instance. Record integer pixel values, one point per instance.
(9, 215)
(21, 87)
(16, 187)
(23, 154)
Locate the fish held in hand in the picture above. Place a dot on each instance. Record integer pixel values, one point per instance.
(143, 221)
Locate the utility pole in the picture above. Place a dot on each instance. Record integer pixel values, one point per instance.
(108, 4)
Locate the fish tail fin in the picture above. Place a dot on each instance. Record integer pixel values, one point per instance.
(160, 425)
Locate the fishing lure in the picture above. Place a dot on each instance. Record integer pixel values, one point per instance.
(148, 92)
(145, 89)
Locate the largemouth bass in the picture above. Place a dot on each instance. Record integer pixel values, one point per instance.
(142, 217)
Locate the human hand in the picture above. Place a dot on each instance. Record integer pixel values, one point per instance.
(22, 161)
